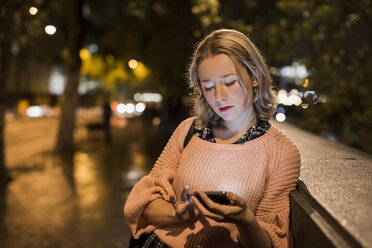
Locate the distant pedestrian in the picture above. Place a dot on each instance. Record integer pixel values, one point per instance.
(107, 112)
(233, 148)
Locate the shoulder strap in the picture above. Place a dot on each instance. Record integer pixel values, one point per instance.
(189, 135)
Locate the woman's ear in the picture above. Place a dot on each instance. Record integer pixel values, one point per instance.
(254, 83)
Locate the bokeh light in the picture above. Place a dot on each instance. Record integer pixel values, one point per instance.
(140, 107)
(35, 111)
(33, 11)
(84, 54)
(50, 29)
(121, 108)
(280, 117)
(132, 63)
(129, 108)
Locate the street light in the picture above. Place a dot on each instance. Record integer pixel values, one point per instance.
(33, 11)
(50, 29)
(132, 63)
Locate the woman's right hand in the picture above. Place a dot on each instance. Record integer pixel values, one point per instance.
(186, 210)
(160, 212)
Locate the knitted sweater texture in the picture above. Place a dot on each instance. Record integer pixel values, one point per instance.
(263, 171)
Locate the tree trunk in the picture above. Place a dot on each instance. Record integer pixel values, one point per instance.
(6, 28)
(65, 139)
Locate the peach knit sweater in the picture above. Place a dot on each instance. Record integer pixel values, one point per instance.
(263, 171)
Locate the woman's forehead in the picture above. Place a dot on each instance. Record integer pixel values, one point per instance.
(216, 67)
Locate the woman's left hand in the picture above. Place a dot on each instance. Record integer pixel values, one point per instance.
(236, 212)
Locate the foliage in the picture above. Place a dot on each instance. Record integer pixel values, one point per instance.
(333, 39)
(158, 34)
(339, 41)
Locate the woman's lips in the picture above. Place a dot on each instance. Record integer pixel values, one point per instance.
(224, 109)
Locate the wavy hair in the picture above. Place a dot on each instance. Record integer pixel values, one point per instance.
(244, 54)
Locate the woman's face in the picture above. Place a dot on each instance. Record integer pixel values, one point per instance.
(221, 88)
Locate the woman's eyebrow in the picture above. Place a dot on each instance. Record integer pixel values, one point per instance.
(220, 78)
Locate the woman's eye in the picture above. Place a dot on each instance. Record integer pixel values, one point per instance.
(230, 83)
(208, 88)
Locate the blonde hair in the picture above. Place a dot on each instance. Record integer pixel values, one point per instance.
(242, 52)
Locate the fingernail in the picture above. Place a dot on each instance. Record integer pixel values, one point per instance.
(191, 202)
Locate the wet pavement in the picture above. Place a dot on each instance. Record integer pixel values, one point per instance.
(77, 200)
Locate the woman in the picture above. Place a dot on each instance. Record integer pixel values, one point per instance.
(233, 148)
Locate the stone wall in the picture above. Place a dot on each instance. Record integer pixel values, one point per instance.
(332, 206)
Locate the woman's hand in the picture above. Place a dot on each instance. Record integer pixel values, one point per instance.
(160, 212)
(250, 233)
(186, 210)
(236, 212)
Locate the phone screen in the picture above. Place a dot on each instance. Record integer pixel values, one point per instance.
(216, 196)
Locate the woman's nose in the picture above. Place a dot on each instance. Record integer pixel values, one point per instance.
(221, 92)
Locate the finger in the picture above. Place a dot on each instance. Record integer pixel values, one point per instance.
(235, 199)
(185, 193)
(181, 207)
(220, 212)
(204, 211)
(213, 206)
(190, 210)
(187, 208)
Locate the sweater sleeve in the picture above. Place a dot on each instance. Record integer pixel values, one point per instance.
(158, 184)
(273, 211)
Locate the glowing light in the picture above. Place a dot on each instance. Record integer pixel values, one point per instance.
(132, 175)
(294, 100)
(121, 108)
(137, 97)
(294, 71)
(148, 97)
(33, 11)
(57, 81)
(93, 48)
(35, 111)
(152, 97)
(304, 105)
(282, 95)
(306, 83)
(50, 29)
(294, 97)
(84, 54)
(114, 106)
(140, 107)
(156, 121)
(129, 108)
(132, 63)
(136, 172)
(280, 117)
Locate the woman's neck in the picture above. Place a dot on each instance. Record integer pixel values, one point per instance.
(233, 129)
(240, 123)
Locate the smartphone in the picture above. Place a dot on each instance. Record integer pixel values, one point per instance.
(216, 196)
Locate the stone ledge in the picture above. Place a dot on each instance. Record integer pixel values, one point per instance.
(339, 180)
(313, 226)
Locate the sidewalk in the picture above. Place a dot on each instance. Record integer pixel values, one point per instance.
(77, 201)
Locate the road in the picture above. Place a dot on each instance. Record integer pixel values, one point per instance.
(29, 136)
(71, 201)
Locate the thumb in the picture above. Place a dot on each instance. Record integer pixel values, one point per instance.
(181, 207)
